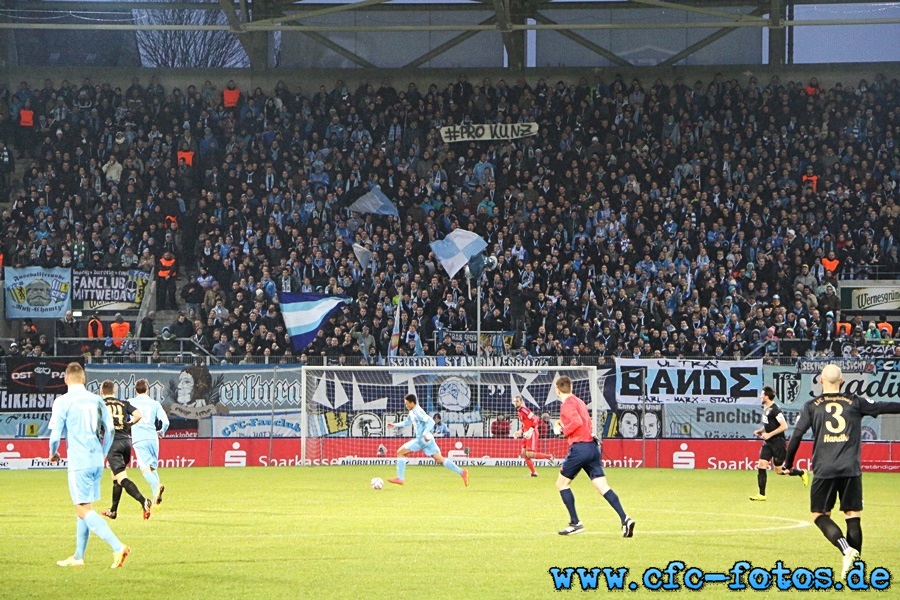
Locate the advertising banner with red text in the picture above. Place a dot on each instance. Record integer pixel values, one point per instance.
(254, 452)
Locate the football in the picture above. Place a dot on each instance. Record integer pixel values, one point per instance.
(377, 483)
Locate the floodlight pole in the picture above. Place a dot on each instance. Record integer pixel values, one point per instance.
(478, 322)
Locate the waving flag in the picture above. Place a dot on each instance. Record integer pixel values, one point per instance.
(375, 202)
(363, 255)
(304, 315)
(420, 349)
(455, 250)
(395, 335)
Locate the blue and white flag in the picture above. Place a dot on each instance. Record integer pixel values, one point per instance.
(394, 345)
(363, 255)
(375, 202)
(455, 250)
(304, 315)
(420, 349)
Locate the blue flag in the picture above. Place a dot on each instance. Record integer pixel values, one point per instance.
(420, 350)
(455, 250)
(375, 202)
(395, 335)
(304, 315)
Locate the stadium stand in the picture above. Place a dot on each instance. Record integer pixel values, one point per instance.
(713, 218)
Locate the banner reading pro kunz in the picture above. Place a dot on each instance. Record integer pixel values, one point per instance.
(109, 289)
(488, 131)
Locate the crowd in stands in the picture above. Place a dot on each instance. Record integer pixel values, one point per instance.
(707, 218)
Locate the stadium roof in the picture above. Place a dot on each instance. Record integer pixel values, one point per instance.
(511, 18)
(510, 15)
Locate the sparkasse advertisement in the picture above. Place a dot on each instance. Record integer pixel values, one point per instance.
(619, 453)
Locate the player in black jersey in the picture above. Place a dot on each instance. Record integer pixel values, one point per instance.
(835, 421)
(774, 448)
(124, 416)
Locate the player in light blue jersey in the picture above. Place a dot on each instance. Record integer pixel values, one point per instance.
(86, 423)
(423, 430)
(145, 436)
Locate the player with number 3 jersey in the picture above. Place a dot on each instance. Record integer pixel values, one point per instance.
(836, 422)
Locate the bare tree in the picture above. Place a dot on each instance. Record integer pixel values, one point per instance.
(188, 49)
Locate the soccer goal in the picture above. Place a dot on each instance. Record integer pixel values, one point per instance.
(346, 411)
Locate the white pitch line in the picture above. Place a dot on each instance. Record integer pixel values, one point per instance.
(788, 524)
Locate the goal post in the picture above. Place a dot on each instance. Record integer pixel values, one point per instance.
(346, 411)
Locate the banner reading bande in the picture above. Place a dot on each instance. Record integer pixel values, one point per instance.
(688, 381)
(37, 292)
(488, 131)
(109, 289)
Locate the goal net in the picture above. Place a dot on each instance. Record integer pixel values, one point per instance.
(346, 411)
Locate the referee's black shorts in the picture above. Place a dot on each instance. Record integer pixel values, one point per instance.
(824, 492)
(119, 455)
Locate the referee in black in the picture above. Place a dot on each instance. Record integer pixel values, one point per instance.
(835, 421)
(124, 416)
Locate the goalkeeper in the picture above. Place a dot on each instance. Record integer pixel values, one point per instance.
(529, 434)
(423, 431)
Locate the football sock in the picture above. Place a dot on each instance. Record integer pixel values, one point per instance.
(613, 500)
(116, 496)
(832, 532)
(761, 480)
(530, 464)
(132, 490)
(568, 499)
(797, 472)
(152, 478)
(401, 468)
(82, 533)
(452, 466)
(96, 524)
(541, 455)
(854, 533)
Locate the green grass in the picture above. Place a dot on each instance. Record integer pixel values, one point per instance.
(323, 533)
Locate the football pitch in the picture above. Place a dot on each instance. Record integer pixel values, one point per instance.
(322, 532)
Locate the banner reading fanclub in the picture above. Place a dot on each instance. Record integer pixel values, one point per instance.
(707, 381)
(109, 289)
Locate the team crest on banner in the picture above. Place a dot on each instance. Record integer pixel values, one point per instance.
(787, 387)
(37, 292)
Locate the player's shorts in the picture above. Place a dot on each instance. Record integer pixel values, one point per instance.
(84, 485)
(531, 443)
(824, 492)
(147, 452)
(119, 455)
(429, 448)
(582, 456)
(774, 453)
